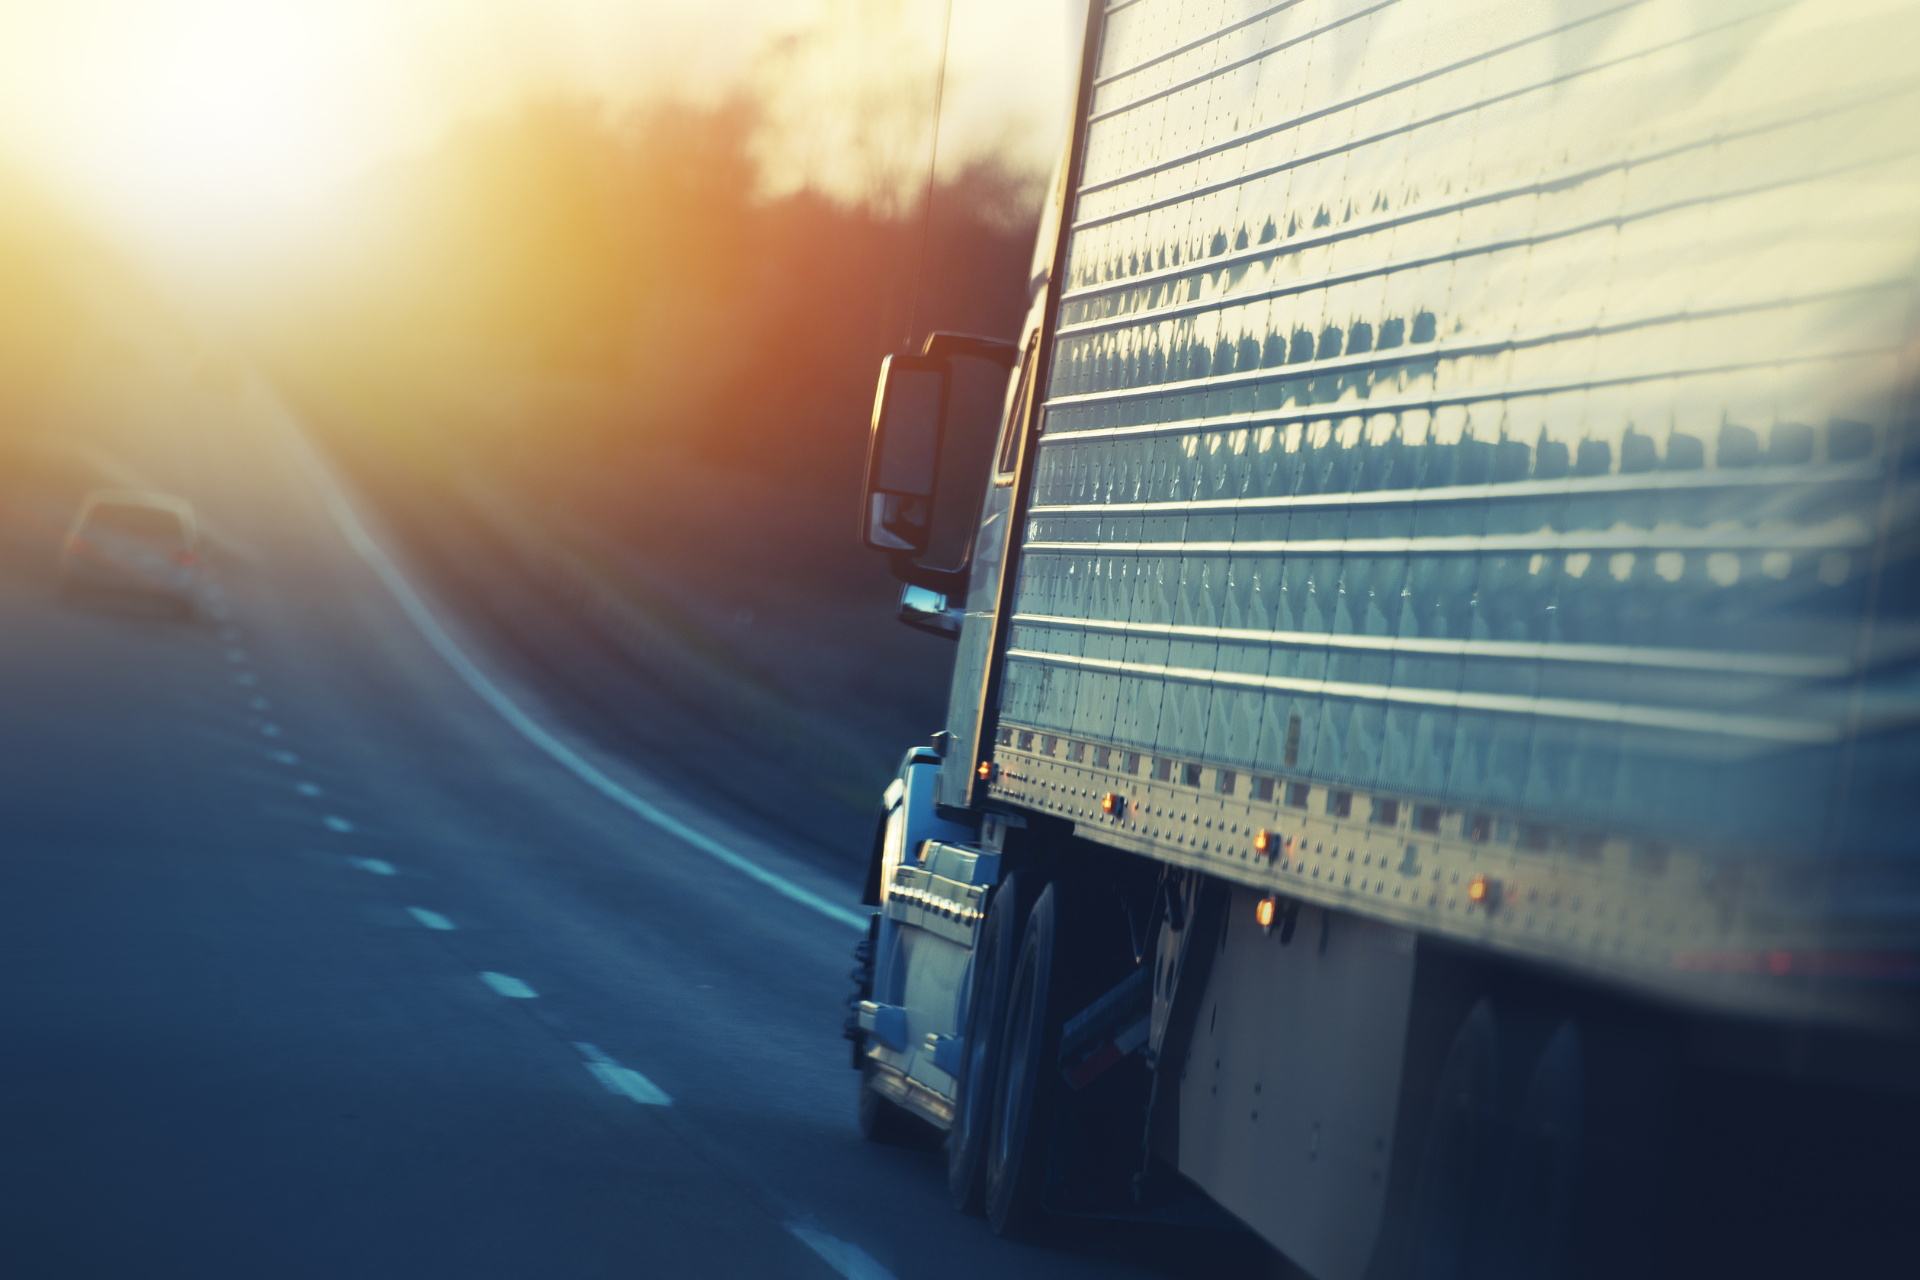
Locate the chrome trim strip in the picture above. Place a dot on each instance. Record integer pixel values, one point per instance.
(1431, 73)
(1214, 73)
(1189, 46)
(1793, 666)
(1367, 408)
(1718, 724)
(1844, 532)
(1556, 181)
(1434, 352)
(1631, 483)
(1442, 348)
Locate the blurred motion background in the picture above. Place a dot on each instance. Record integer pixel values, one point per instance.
(587, 295)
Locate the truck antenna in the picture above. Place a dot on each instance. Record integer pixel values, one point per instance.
(933, 163)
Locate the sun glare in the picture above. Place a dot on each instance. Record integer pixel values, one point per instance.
(217, 123)
(191, 123)
(231, 115)
(205, 126)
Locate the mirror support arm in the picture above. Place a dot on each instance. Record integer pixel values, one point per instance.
(946, 346)
(951, 583)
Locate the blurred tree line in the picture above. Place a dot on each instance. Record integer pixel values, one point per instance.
(42, 325)
(611, 315)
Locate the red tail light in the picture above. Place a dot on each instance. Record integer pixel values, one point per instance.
(78, 547)
(185, 559)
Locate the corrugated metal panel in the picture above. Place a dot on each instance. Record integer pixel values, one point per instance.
(1495, 404)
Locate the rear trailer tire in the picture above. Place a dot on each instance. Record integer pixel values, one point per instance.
(1025, 1084)
(1534, 1206)
(993, 964)
(1455, 1165)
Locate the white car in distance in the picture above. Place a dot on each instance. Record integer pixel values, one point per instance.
(133, 544)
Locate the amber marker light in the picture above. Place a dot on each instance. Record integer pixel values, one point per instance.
(985, 771)
(1112, 804)
(1263, 912)
(1484, 892)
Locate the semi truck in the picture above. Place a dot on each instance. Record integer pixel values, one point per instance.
(1429, 775)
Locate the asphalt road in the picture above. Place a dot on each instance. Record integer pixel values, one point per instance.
(319, 965)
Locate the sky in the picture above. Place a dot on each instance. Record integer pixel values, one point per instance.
(185, 125)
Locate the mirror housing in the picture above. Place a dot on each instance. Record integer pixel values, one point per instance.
(903, 453)
(900, 508)
(927, 610)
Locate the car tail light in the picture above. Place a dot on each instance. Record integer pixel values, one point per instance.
(185, 558)
(78, 547)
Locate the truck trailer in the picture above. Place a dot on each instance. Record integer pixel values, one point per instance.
(1429, 776)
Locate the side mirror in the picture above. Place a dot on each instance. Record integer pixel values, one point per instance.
(903, 453)
(929, 456)
(927, 610)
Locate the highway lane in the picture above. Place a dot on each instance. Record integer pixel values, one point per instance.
(237, 1040)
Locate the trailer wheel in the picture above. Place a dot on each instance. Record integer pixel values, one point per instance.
(1455, 1165)
(993, 963)
(1539, 1183)
(1016, 1155)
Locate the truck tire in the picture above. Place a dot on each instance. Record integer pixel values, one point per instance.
(1456, 1165)
(1024, 1085)
(1534, 1206)
(993, 963)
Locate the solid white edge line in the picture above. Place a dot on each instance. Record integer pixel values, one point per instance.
(436, 636)
(850, 1260)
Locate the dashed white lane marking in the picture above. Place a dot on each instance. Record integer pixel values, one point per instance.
(308, 789)
(511, 988)
(624, 1081)
(431, 919)
(436, 636)
(258, 703)
(246, 679)
(850, 1260)
(236, 655)
(374, 866)
(334, 822)
(283, 757)
(270, 730)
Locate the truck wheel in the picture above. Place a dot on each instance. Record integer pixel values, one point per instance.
(1016, 1154)
(993, 962)
(884, 1121)
(1538, 1185)
(1458, 1152)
